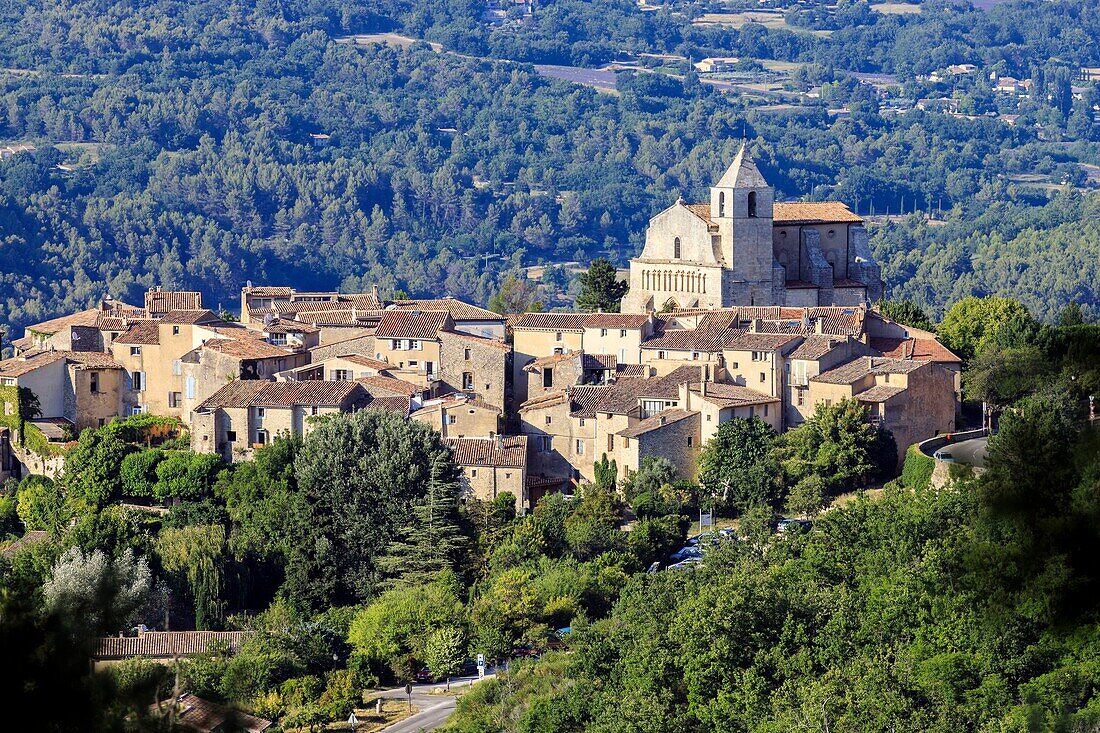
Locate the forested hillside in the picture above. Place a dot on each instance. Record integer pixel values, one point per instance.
(183, 135)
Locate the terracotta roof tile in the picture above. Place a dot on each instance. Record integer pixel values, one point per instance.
(160, 302)
(28, 362)
(245, 348)
(615, 320)
(551, 321)
(657, 422)
(181, 316)
(543, 401)
(479, 340)
(585, 398)
(412, 324)
(457, 309)
(856, 369)
(505, 452)
(310, 393)
(383, 386)
(732, 395)
(816, 212)
(81, 318)
(400, 405)
(914, 348)
(141, 333)
(879, 393)
(202, 716)
(815, 347)
(366, 361)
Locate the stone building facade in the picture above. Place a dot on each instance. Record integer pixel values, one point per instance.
(744, 248)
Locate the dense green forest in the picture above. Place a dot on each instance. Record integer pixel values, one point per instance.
(183, 132)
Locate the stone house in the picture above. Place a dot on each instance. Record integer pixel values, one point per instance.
(491, 466)
(247, 414)
(913, 399)
(82, 389)
(458, 415)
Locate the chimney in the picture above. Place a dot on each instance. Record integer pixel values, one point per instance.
(819, 325)
(754, 325)
(374, 291)
(500, 442)
(661, 419)
(703, 388)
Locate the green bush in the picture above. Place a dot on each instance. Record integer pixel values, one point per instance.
(139, 473)
(917, 471)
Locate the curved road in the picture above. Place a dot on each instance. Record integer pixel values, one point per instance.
(433, 710)
(969, 452)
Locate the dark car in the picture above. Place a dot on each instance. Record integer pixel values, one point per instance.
(424, 675)
(685, 553)
(794, 525)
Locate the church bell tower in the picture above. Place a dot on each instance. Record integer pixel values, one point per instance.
(741, 205)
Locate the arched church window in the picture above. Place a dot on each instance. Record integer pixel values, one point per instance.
(721, 203)
(752, 203)
(676, 248)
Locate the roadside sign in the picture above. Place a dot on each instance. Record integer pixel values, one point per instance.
(480, 665)
(706, 520)
(408, 688)
(353, 721)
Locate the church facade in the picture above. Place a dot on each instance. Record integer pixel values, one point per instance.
(745, 249)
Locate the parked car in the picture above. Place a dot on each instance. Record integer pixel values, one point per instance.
(688, 564)
(424, 675)
(686, 552)
(794, 525)
(654, 566)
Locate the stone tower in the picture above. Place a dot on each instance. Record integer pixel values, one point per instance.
(741, 205)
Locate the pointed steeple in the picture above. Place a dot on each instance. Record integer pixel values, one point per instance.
(742, 173)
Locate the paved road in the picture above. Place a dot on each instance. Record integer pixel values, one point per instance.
(970, 452)
(432, 710)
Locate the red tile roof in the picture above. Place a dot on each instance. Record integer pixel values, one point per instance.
(245, 348)
(189, 316)
(159, 302)
(615, 320)
(457, 309)
(383, 386)
(509, 452)
(311, 393)
(656, 422)
(856, 369)
(28, 362)
(141, 333)
(551, 321)
(879, 393)
(202, 716)
(732, 395)
(412, 324)
(81, 318)
(914, 348)
(816, 212)
(400, 405)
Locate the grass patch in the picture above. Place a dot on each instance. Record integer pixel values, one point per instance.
(895, 8)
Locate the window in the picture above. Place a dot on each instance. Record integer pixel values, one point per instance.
(557, 351)
(676, 248)
(177, 367)
(548, 419)
(695, 356)
(734, 365)
(314, 410)
(626, 442)
(660, 355)
(827, 402)
(582, 422)
(752, 410)
(395, 344)
(429, 368)
(135, 351)
(507, 474)
(103, 421)
(474, 412)
(138, 379)
(544, 443)
(261, 437)
(547, 377)
(763, 376)
(277, 339)
(175, 330)
(752, 204)
(189, 387)
(466, 354)
(580, 447)
(691, 440)
(8, 381)
(557, 336)
(603, 331)
(622, 333)
(765, 410)
(801, 397)
(610, 441)
(887, 378)
(175, 399)
(413, 364)
(473, 473)
(93, 382)
(231, 436)
(452, 419)
(721, 203)
(137, 410)
(415, 345)
(467, 380)
(832, 233)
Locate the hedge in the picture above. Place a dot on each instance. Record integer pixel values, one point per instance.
(917, 471)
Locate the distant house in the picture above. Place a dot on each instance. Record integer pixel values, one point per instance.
(193, 713)
(716, 65)
(491, 466)
(164, 645)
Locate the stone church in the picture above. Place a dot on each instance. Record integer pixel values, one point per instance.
(743, 248)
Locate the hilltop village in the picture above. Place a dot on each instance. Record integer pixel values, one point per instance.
(738, 308)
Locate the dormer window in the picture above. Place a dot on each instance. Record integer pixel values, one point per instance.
(752, 203)
(676, 248)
